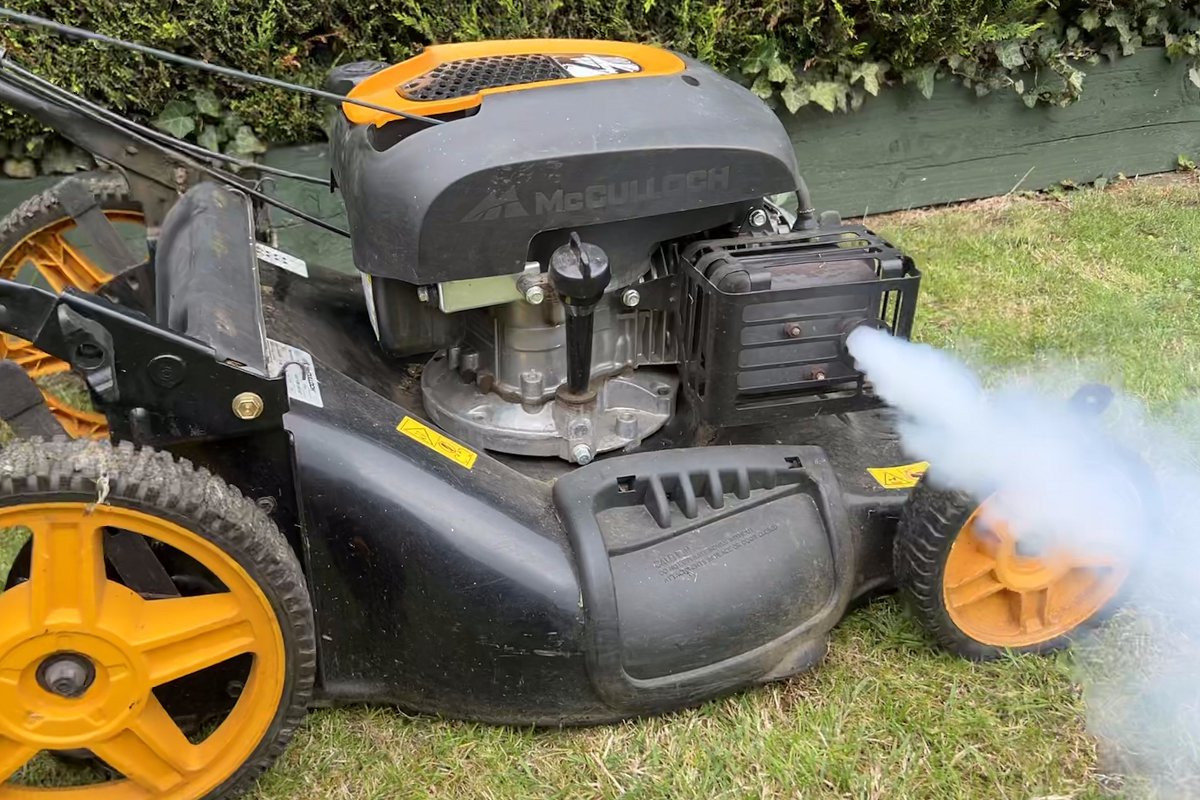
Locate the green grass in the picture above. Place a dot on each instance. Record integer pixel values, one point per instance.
(1109, 279)
(885, 716)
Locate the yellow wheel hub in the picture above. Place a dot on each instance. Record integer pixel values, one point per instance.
(61, 264)
(82, 655)
(1000, 596)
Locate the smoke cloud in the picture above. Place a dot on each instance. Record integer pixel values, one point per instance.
(1123, 484)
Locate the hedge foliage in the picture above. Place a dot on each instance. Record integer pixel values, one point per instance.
(829, 52)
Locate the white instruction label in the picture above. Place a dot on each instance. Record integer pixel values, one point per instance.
(589, 65)
(298, 370)
(278, 258)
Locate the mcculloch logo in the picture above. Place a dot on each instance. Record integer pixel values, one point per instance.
(506, 206)
(600, 195)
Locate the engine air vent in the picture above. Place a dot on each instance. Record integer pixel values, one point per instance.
(468, 76)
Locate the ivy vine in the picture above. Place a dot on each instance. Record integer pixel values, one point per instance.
(205, 120)
(1043, 61)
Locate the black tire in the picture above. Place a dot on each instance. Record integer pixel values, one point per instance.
(44, 208)
(931, 520)
(158, 484)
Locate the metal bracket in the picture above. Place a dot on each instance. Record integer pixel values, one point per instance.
(134, 560)
(156, 386)
(111, 251)
(22, 405)
(90, 350)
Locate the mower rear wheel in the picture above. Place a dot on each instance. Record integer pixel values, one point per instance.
(89, 664)
(35, 245)
(979, 595)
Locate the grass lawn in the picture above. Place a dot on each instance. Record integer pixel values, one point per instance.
(1108, 278)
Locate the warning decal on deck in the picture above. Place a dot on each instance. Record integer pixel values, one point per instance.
(420, 432)
(298, 370)
(904, 476)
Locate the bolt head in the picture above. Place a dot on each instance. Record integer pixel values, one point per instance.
(247, 405)
(534, 295)
(67, 675)
(631, 297)
(758, 218)
(423, 294)
(582, 454)
(167, 370)
(792, 330)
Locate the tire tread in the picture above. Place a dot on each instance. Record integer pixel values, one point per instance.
(147, 480)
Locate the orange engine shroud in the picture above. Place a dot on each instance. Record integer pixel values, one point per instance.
(383, 88)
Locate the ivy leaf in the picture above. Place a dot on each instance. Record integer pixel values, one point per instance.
(762, 56)
(869, 72)
(1089, 20)
(1194, 75)
(210, 138)
(762, 86)
(828, 95)
(245, 143)
(795, 96)
(777, 71)
(1074, 80)
(230, 123)
(1030, 99)
(1019, 86)
(923, 78)
(176, 119)
(207, 103)
(1010, 55)
(1120, 21)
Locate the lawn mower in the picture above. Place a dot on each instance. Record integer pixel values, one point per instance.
(581, 440)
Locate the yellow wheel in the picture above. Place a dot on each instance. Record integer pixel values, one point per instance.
(37, 246)
(119, 614)
(980, 591)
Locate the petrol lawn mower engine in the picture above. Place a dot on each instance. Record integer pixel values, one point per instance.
(594, 240)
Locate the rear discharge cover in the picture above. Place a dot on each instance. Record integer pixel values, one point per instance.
(706, 568)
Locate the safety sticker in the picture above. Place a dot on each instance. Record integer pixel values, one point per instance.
(420, 432)
(278, 258)
(904, 476)
(298, 371)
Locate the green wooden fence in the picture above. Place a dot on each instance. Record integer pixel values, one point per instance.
(1137, 115)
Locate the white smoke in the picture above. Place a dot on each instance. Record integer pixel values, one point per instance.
(1120, 485)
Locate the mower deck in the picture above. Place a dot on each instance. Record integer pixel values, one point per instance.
(525, 591)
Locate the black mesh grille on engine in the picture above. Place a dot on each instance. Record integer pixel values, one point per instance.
(466, 77)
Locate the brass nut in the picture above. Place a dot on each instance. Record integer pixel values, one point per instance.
(247, 405)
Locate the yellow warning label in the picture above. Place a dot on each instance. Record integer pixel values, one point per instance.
(420, 432)
(903, 477)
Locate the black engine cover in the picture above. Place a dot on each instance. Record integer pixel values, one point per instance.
(627, 163)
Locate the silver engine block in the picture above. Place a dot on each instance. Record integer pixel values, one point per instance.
(501, 387)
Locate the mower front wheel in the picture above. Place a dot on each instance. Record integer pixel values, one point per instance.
(156, 620)
(980, 594)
